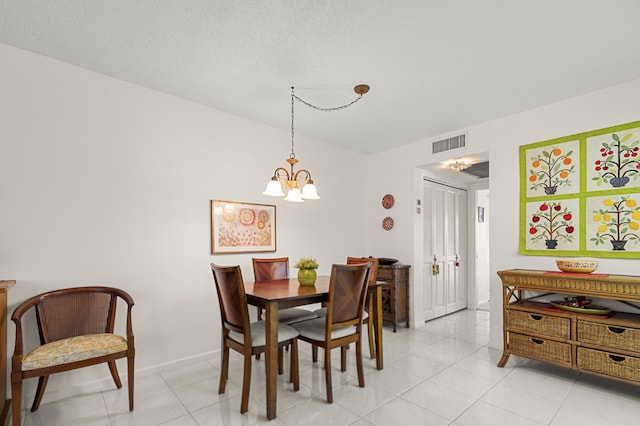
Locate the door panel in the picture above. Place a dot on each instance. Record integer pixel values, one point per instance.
(445, 247)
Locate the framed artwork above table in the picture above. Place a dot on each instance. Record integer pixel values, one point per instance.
(238, 227)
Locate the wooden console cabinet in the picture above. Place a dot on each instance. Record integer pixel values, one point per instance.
(5, 285)
(395, 294)
(607, 346)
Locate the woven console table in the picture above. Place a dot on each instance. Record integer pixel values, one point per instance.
(603, 345)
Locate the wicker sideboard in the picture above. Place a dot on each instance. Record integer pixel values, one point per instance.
(607, 346)
(395, 294)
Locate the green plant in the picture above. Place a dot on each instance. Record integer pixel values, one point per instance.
(307, 263)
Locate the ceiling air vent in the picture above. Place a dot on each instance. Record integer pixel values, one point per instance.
(449, 143)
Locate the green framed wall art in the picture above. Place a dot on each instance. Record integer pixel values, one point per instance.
(580, 194)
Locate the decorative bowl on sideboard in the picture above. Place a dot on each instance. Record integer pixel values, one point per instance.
(581, 266)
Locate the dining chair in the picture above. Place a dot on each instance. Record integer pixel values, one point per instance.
(266, 269)
(76, 327)
(373, 273)
(246, 338)
(276, 269)
(373, 276)
(343, 322)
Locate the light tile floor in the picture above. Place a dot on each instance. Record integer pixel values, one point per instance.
(440, 374)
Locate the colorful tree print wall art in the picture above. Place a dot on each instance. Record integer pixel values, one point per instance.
(553, 167)
(614, 222)
(553, 225)
(614, 160)
(580, 194)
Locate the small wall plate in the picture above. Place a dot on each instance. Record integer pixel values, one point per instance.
(387, 201)
(387, 223)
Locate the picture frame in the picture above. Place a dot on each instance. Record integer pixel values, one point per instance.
(240, 227)
(480, 214)
(580, 194)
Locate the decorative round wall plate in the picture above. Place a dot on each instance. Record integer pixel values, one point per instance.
(387, 223)
(387, 201)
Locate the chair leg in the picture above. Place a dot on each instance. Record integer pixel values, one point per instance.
(327, 374)
(343, 358)
(294, 367)
(16, 402)
(359, 363)
(114, 373)
(372, 345)
(280, 361)
(246, 384)
(224, 373)
(314, 352)
(130, 378)
(42, 384)
(259, 319)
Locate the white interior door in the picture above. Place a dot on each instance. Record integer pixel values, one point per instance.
(445, 253)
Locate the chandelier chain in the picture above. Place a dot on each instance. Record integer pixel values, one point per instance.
(296, 97)
(325, 109)
(293, 154)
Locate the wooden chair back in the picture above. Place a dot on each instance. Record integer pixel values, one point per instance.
(373, 276)
(347, 293)
(232, 298)
(373, 273)
(270, 269)
(75, 314)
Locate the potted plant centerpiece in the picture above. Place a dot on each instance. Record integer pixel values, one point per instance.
(307, 270)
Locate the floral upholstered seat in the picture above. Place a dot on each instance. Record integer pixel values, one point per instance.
(74, 349)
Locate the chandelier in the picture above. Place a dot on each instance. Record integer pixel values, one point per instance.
(298, 184)
(458, 165)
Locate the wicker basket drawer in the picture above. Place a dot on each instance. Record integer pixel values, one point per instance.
(611, 364)
(547, 325)
(608, 335)
(548, 350)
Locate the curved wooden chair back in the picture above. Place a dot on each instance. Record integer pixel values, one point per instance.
(266, 269)
(270, 269)
(77, 312)
(347, 294)
(373, 275)
(232, 298)
(373, 272)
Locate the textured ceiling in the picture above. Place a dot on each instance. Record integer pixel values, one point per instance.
(433, 66)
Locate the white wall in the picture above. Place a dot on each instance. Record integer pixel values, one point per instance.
(105, 182)
(396, 171)
(482, 269)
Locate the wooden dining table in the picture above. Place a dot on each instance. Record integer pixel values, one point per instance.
(273, 295)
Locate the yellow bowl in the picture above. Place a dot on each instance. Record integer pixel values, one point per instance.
(577, 265)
